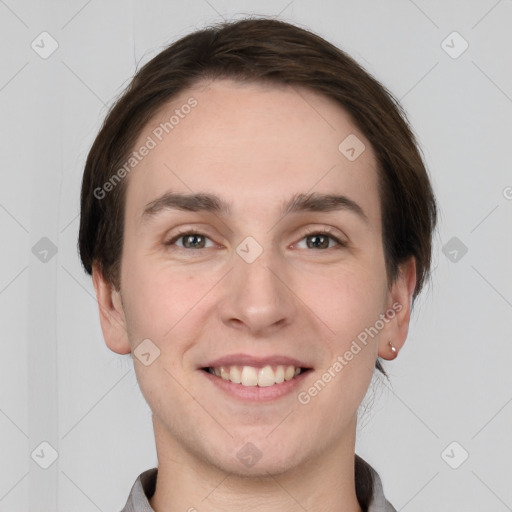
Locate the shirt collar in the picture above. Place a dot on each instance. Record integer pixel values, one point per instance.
(144, 488)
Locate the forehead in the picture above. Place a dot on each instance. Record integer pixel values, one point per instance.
(253, 145)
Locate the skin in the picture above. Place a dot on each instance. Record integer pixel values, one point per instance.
(254, 146)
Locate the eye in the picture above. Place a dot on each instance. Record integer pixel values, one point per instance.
(321, 240)
(190, 240)
(314, 240)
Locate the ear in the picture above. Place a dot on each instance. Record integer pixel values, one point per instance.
(399, 303)
(112, 317)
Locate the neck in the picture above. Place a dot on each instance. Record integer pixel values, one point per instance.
(323, 482)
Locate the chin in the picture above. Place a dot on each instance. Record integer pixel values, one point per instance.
(260, 456)
(263, 468)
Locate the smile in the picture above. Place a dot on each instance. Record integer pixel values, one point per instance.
(251, 376)
(256, 384)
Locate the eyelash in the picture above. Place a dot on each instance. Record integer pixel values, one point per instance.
(324, 232)
(328, 233)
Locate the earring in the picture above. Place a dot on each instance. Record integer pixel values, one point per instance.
(393, 348)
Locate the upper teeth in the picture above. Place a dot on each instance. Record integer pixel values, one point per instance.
(251, 376)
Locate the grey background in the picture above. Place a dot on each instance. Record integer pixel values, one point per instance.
(59, 382)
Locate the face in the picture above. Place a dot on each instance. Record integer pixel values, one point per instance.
(276, 266)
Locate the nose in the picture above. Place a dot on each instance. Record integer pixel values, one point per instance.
(258, 298)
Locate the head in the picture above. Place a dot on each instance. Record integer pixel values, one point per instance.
(254, 191)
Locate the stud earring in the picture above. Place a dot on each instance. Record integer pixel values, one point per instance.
(393, 348)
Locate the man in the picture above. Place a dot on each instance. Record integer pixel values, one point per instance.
(256, 241)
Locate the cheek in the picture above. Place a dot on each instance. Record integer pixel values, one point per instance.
(347, 301)
(350, 309)
(146, 297)
(160, 302)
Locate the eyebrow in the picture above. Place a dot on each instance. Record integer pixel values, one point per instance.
(311, 202)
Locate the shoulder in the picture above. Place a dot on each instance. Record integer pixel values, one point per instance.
(370, 491)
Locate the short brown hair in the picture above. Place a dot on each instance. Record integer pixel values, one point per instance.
(274, 52)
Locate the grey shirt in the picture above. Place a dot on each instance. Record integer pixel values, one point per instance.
(144, 488)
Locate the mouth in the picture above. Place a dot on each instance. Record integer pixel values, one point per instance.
(256, 376)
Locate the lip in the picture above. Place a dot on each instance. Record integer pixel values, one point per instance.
(256, 362)
(256, 393)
